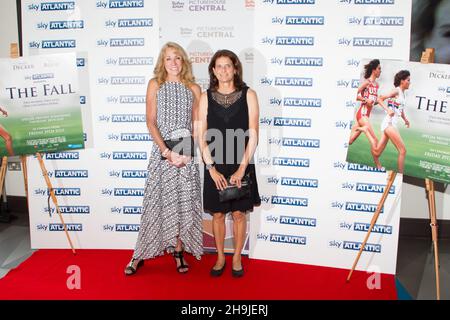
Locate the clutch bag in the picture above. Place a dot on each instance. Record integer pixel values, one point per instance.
(184, 146)
(232, 192)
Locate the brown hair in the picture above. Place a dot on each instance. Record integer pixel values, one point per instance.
(239, 84)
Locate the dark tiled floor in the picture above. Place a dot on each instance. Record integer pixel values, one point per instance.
(415, 260)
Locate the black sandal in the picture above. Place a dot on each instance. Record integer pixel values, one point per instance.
(130, 269)
(179, 255)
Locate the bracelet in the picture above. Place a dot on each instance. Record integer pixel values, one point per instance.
(165, 152)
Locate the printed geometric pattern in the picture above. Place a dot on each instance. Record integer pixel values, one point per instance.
(172, 199)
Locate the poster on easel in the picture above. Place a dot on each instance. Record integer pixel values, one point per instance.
(402, 119)
(40, 105)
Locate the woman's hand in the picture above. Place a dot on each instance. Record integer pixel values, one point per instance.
(218, 178)
(236, 178)
(407, 123)
(177, 160)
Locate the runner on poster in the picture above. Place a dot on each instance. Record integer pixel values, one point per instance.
(414, 138)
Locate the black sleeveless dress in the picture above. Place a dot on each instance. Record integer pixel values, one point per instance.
(227, 137)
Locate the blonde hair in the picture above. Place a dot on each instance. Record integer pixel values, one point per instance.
(160, 72)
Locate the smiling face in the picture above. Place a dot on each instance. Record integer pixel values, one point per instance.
(173, 63)
(224, 70)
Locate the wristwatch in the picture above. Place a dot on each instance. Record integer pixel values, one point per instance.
(209, 166)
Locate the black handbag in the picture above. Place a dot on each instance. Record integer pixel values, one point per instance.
(184, 146)
(232, 192)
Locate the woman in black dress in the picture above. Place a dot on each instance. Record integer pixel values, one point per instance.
(229, 124)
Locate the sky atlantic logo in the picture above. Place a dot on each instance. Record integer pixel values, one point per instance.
(132, 210)
(293, 82)
(378, 228)
(362, 207)
(63, 156)
(373, 42)
(127, 227)
(298, 102)
(384, 21)
(118, 4)
(299, 182)
(290, 201)
(68, 24)
(75, 209)
(57, 6)
(134, 173)
(71, 174)
(127, 42)
(369, 247)
(131, 61)
(69, 226)
(294, 41)
(42, 76)
(128, 192)
(305, 20)
(291, 122)
(67, 192)
(363, 167)
(127, 80)
(137, 99)
(304, 61)
(289, 239)
(290, 1)
(128, 118)
(117, 155)
(291, 162)
(301, 143)
(370, 187)
(135, 137)
(298, 221)
(135, 23)
(375, 2)
(58, 44)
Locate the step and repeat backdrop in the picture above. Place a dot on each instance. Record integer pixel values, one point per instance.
(303, 58)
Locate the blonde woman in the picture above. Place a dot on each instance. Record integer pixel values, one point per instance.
(172, 212)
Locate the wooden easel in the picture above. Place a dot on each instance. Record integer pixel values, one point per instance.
(14, 53)
(427, 57)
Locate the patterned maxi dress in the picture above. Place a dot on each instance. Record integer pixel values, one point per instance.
(172, 197)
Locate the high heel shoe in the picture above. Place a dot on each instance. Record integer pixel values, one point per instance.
(217, 272)
(179, 255)
(237, 273)
(130, 269)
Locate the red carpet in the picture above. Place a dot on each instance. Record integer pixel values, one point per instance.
(44, 276)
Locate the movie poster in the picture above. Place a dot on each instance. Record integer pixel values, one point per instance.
(39, 105)
(402, 118)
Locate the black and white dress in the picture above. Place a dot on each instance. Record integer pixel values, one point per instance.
(172, 197)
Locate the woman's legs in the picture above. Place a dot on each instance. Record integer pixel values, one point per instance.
(381, 145)
(354, 134)
(219, 238)
(366, 127)
(396, 139)
(239, 233)
(8, 140)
